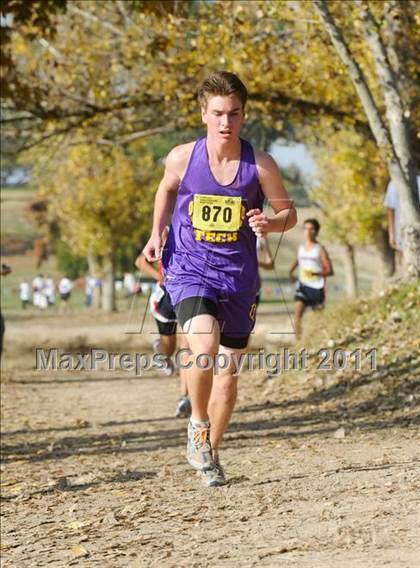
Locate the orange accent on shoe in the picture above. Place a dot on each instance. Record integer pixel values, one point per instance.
(200, 435)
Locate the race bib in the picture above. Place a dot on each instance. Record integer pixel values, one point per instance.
(216, 212)
(307, 276)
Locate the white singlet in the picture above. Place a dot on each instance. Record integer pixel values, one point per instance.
(310, 260)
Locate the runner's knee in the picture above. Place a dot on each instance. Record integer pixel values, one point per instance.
(225, 388)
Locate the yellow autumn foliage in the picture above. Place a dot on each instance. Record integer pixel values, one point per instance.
(100, 198)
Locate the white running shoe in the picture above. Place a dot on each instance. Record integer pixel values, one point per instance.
(183, 410)
(169, 368)
(199, 453)
(214, 477)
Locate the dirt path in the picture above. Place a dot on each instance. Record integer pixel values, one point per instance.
(94, 474)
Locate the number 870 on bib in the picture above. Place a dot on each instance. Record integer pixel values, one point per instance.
(216, 212)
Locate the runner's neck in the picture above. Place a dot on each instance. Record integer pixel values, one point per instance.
(309, 245)
(223, 153)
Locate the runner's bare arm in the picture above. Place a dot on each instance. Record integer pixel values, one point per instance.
(327, 268)
(390, 214)
(265, 259)
(293, 267)
(285, 217)
(175, 166)
(143, 265)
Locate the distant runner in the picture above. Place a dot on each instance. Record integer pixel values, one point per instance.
(164, 315)
(314, 266)
(265, 259)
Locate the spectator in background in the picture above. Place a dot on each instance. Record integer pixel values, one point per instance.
(24, 293)
(392, 204)
(38, 285)
(49, 290)
(90, 283)
(129, 283)
(65, 287)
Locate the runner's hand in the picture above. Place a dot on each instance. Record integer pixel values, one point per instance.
(392, 242)
(258, 222)
(152, 251)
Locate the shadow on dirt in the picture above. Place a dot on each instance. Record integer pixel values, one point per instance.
(287, 419)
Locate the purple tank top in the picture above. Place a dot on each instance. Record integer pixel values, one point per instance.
(210, 235)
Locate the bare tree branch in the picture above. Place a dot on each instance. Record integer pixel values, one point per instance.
(356, 74)
(136, 135)
(312, 107)
(393, 142)
(394, 106)
(91, 17)
(53, 134)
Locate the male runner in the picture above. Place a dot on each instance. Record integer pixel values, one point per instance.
(216, 187)
(164, 315)
(265, 259)
(314, 266)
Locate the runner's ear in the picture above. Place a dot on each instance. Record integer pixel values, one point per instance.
(204, 115)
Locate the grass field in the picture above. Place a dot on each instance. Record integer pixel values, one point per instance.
(15, 219)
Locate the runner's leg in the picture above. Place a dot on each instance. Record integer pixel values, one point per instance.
(223, 396)
(299, 310)
(167, 344)
(203, 337)
(183, 408)
(183, 344)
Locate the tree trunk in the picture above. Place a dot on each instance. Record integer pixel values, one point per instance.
(95, 270)
(386, 256)
(394, 143)
(350, 271)
(404, 177)
(108, 284)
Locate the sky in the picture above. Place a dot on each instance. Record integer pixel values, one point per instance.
(296, 154)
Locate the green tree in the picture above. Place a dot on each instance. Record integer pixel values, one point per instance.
(72, 266)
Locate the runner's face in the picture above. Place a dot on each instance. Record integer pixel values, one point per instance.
(310, 232)
(224, 117)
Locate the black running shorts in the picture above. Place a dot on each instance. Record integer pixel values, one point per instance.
(311, 297)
